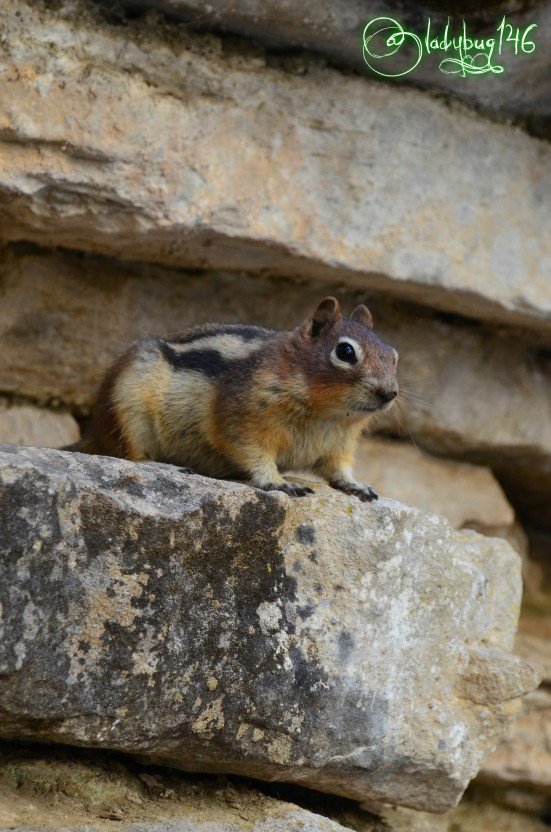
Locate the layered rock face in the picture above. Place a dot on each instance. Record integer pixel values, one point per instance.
(334, 31)
(133, 146)
(154, 176)
(357, 649)
(64, 791)
(524, 758)
(63, 319)
(76, 791)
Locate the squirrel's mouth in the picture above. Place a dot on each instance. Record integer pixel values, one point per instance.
(368, 408)
(373, 408)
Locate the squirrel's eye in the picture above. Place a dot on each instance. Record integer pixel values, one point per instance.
(346, 352)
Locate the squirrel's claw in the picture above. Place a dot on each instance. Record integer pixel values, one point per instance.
(364, 492)
(290, 488)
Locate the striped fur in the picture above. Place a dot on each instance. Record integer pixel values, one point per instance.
(235, 400)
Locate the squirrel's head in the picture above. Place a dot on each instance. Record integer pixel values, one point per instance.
(348, 369)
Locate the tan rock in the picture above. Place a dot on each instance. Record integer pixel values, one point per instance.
(332, 30)
(475, 813)
(538, 579)
(522, 763)
(535, 649)
(41, 428)
(524, 758)
(464, 494)
(536, 622)
(475, 396)
(56, 790)
(516, 536)
(169, 148)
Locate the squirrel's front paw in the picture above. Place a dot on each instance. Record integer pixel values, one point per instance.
(290, 488)
(365, 493)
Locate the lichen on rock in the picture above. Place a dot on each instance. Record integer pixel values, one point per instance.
(210, 626)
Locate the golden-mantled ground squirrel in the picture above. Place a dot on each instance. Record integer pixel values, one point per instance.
(230, 400)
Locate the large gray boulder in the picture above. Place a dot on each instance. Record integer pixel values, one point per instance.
(159, 146)
(358, 649)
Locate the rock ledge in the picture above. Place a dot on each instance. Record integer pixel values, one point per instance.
(362, 650)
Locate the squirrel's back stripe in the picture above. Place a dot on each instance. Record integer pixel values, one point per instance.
(214, 350)
(209, 362)
(243, 331)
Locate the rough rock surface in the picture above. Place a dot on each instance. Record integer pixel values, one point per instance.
(524, 759)
(468, 496)
(28, 425)
(359, 649)
(464, 494)
(63, 319)
(535, 649)
(477, 812)
(334, 30)
(120, 141)
(65, 790)
(293, 820)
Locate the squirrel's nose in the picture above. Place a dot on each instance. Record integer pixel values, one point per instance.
(387, 395)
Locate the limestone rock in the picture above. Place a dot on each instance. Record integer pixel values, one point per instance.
(28, 425)
(129, 141)
(63, 790)
(477, 812)
(63, 319)
(466, 495)
(524, 758)
(294, 820)
(535, 649)
(521, 765)
(334, 30)
(209, 626)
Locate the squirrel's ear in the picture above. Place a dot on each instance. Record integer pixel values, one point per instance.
(362, 315)
(325, 316)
